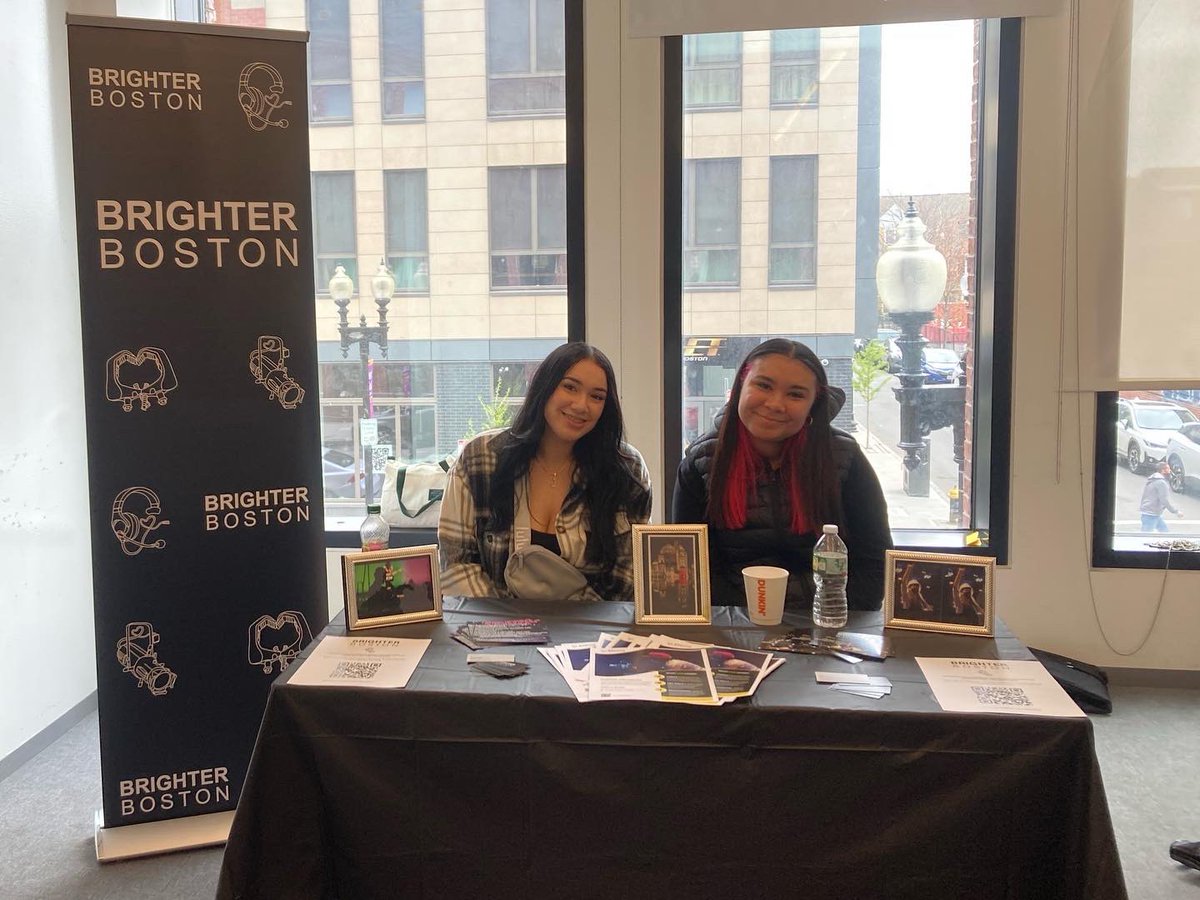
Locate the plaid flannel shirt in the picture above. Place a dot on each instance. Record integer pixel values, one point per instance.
(474, 554)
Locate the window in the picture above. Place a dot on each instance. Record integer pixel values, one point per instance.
(795, 66)
(333, 226)
(329, 60)
(792, 259)
(749, 227)
(527, 226)
(712, 71)
(712, 222)
(402, 58)
(1146, 504)
(526, 64)
(403, 406)
(407, 230)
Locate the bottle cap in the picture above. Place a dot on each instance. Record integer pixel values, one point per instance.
(830, 529)
(373, 509)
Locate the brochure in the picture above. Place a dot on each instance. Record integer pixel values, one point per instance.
(1014, 686)
(361, 662)
(477, 635)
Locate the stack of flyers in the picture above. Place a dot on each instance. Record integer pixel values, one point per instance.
(501, 631)
(872, 686)
(659, 669)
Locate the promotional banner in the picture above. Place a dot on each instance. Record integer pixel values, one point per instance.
(199, 353)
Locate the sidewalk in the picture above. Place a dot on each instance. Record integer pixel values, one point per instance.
(903, 511)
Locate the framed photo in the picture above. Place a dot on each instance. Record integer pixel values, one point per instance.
(670, 574)
(939, 592)
(391, 587)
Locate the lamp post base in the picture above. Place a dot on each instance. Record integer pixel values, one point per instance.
(916, 479)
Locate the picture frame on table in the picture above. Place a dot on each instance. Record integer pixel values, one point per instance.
(391, 587)
(670, 575)
(941, 592)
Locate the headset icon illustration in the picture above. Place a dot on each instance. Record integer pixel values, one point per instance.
(132, 530)
(259, 105)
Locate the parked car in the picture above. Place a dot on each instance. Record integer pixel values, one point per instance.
(941, 365)
(1144, 427)
(1183, 455)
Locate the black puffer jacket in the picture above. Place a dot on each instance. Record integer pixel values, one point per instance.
(766, 539)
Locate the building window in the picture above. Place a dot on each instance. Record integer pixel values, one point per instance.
(527, 225)
(795, 66)
(712, 222)
(407, 229)
(402, 59)
(333, 226)
(712, 71)
(329, 60)
(792, 257)
(749, 224)
(526, 62)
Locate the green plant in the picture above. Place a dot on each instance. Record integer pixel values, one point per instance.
(868, 374)
(497, 412)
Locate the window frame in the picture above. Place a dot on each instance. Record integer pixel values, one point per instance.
(533, 72)
(689, 224)
(778, 63)
(322, 288)
(385, 80)
(734, 66)
(772, 244)
(390, 252)
(535, 181)
(314, 83)
(1104, 481)
(999, 105)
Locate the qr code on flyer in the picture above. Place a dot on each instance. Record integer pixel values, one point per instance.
(989, 695)
(355, 671)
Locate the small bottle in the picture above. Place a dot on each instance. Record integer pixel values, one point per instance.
(374, 531)
(830, 567)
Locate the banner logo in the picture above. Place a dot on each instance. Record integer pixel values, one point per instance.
(144, 89)
(136, 654)
(268, 369)
(250, 509)
(194, 787)
(260, 94)
(139, 377)
(135, 513)
(277, 639)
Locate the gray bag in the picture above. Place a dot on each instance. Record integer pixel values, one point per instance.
(535, 573)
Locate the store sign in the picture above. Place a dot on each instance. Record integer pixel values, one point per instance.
(200, 372)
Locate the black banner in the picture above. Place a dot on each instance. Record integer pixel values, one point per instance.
(203, 423)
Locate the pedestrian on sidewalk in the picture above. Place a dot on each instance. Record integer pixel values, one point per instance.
(1156, 499)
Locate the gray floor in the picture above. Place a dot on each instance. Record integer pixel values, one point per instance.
(1148, 751)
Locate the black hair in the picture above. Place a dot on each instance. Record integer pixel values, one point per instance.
(607, 488)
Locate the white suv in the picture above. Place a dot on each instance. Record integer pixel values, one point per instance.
(1143, 427)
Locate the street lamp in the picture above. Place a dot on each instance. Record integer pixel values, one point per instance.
(341, 288)
(911, 279)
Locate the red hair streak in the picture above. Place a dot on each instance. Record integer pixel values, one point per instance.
(744, 471)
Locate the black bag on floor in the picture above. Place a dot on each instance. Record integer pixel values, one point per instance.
(1085, 684)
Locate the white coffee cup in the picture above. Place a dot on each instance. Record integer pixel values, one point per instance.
(766, 587)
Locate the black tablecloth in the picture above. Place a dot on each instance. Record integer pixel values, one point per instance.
(463, 785)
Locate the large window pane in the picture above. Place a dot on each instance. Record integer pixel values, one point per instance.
(402, 58)
(407, 229)
(782, 240)
(329, 60)
(526, 57)
(334, 225)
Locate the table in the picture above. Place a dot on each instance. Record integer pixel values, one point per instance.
(464, 785)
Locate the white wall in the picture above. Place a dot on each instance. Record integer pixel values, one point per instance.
(47, 660)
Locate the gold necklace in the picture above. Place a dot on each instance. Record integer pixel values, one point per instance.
(553, 473)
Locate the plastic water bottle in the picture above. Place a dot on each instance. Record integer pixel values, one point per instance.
(374, 531)
(830, 567)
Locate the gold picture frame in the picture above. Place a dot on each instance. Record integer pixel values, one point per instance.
(941, 592)
(670, 575)
(391, 587)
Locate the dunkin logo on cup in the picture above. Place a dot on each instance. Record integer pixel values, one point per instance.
(762, 597)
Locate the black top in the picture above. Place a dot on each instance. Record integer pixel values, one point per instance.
(547, 539)
(767, 539)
